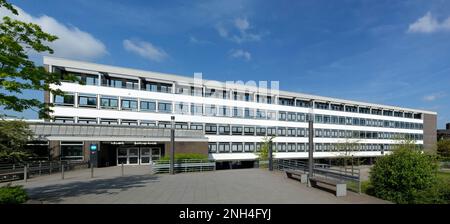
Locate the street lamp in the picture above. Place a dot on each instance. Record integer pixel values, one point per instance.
(172, 141)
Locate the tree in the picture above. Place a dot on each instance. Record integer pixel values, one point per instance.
(17, 72)
(443, 149)
(265, 144)
(345, 151)
(14, 135)
(404, 176)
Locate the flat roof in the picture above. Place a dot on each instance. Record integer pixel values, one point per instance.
(180, 79)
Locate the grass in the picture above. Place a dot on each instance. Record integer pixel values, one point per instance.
(444, 176)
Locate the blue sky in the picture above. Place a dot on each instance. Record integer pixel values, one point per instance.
(387, 52)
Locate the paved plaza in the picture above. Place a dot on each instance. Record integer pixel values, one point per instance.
(139, 186)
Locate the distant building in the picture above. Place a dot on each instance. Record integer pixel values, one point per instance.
(444, 133)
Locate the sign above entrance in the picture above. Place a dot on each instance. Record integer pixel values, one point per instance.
(145, 143)
(93, 147)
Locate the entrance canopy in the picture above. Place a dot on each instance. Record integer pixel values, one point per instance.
(111, 133)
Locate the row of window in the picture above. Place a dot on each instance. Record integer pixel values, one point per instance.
(115, 82)
(251, 147)
(223, 129)
(132, 104)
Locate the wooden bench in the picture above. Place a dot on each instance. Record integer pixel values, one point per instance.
(341, 187)
(303, 176)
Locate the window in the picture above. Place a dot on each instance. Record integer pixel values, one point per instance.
(236, 147)
(211, 129)
(282, 116)
(196, 91)
(326, 119)
(86, 120)
(271, 115)
(109, 102)
(109, 121)
(249, 113)
(196, 109)
(303, 103)
(301, 117)
(249, 147)
(67, 100)
(236, 130)
(181, 125)
(260, 131)
(129, 104)
(291, 147)
(87, 100)
(164, 124)
(224, 147)
(291, 116)
(182, 108)
(352, 109)
(64, 120)
(185, 90)
(248, 97)
(269, 99)
(319, 118)
(271, 131)
(72, 151)
(281, 131)
(334, 120)
(224, 129)
(342, 120)
(164, 107)
(281, 147)
(148, 105)
(291, 132)
(261, 114)
(196, 126)
(364, 110)
(212, 147)
(151, 86)
(148, 123)
(337, 107)
(301, 132)
(398, 114)
(224, 111)
(237, 112)
(210, 110)
(286, 101)
(408, 115)
(322, 106)
(129, 122)
(249, 130)
(387, 113)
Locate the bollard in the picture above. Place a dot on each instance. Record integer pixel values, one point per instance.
(92, 171)
(25, 173)
(122, 169)
(62, 171)
(50, 168)
(40, 168)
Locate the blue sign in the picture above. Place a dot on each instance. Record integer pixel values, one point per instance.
(93, 147)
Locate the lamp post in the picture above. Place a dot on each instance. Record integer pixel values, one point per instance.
(172, 141)
(311, 143)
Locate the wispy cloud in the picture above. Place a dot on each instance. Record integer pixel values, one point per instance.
(242, 54)
(71, 43)
(433, 96)
(145, 50)
(195, 40)
(239, 31)
(429, 24)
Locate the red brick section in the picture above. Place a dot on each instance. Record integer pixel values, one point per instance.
(429, 133)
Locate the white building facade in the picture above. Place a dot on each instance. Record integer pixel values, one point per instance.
(233, 117)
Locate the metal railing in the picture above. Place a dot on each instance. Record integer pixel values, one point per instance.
(349, 175)
(24, 171)
(184, 165)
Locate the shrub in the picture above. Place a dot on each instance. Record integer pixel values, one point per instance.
(180, 156)
(405, 176)
(12, 195)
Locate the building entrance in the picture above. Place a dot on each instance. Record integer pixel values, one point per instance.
(135, 155)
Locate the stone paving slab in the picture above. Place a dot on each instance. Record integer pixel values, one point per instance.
(139, 185)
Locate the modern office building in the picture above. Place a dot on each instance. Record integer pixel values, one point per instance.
(125, 114)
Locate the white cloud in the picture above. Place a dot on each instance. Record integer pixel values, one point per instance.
(239, 31)
(239, 53)
(145, 49)
(195, 40)
(71, 43)
(433, 96)
(429, 24)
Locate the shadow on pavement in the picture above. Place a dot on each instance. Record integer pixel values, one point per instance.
(55, 193)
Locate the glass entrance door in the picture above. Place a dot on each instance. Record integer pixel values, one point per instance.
(133, 156)
(156, 153)
(145, 155)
